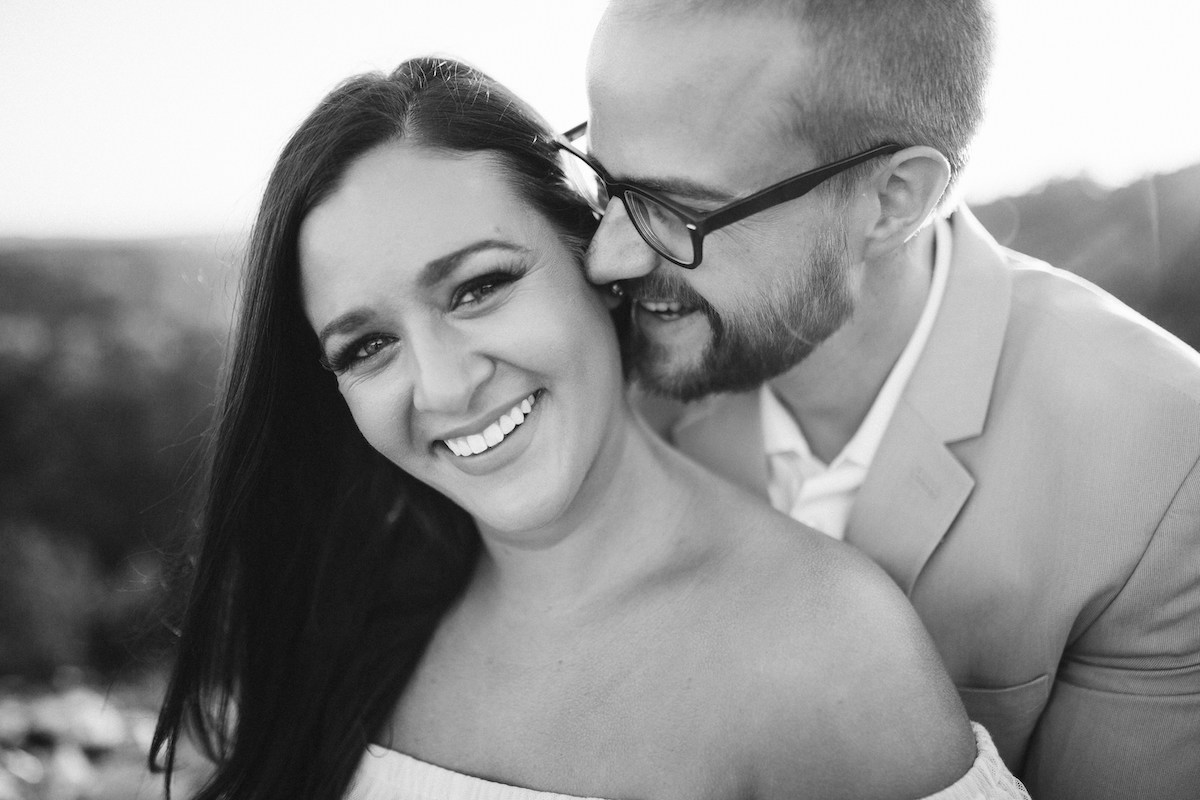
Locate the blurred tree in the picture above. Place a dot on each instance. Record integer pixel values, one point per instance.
(1141, 242)
(104, 392)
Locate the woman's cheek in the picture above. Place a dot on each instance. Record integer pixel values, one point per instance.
(379, 421)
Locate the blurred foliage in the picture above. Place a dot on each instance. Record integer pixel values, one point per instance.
(108, 360)
(1140, 242)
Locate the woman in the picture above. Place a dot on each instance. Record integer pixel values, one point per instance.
(459, 566)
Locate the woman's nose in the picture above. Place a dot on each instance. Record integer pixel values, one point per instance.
(449, 371)
(617, 251)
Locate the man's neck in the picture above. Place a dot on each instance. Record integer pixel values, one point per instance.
(831, 391)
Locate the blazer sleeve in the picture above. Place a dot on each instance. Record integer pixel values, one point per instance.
(1123, 718)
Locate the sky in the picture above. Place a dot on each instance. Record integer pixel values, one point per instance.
(126, 118)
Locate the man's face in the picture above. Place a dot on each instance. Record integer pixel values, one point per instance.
(697, 109)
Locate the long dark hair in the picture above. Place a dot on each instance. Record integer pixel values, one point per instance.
(322, 568)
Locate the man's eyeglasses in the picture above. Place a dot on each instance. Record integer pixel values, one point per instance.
(674, 231)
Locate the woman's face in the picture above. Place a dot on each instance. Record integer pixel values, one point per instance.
(466, 342)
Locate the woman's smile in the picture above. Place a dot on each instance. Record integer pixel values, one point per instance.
(491, 436)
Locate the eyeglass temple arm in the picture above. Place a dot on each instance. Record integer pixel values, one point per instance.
(574, 133)
(791, 189)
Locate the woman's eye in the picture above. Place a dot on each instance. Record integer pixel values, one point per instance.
(476, 291)
(357, 353)
(371, 346)
(476, 294)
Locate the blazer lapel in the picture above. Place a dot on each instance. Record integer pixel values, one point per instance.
(916, 486)
(913, 492)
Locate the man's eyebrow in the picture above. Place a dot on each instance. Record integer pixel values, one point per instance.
(437, 270)
(680, 187)
(431, 274)
(684, 188)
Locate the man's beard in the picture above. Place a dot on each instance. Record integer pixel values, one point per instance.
(774, 334)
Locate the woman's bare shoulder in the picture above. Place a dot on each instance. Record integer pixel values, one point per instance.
(842, 672)
(796, 564)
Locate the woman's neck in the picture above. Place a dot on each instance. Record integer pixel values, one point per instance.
(622, 525)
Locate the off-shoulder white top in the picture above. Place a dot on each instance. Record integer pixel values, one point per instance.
(388, 775)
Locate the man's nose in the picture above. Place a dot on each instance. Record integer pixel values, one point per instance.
(449, 370)
(617, 251)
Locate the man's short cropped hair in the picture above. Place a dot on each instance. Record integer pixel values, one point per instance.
(907, 71)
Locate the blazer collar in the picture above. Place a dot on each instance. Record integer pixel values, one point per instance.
(916, 486)
(952, 383)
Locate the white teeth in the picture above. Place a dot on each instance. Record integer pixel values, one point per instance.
(660, 307)
(493, 434)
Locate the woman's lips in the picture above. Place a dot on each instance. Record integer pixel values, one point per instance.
(493, 434)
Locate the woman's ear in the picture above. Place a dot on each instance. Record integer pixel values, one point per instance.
(907, 192)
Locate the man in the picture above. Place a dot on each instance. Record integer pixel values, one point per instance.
(1016, 448)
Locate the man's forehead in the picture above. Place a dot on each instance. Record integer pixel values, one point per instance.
(732, 61)
(747, 39)
(665, 99)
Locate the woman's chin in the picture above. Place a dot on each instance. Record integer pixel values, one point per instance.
(523, 524)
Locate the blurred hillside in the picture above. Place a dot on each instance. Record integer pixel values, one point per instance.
(1140, 242)
(108, 355)
(108, 360)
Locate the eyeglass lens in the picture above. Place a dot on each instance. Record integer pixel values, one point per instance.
(658, 225)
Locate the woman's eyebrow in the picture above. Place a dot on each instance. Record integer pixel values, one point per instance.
(344, 323)
(431, 274)
(437, 270)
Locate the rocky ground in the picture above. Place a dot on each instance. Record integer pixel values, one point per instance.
(78, 742)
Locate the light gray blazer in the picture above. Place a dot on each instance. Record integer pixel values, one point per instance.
(1037, 496)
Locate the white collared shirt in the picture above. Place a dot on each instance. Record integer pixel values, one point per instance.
(800, 484)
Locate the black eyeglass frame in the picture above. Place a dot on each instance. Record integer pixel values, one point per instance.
(700, 224)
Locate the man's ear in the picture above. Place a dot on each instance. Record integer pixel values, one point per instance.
(907, 193)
